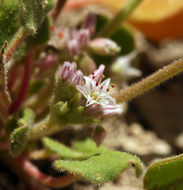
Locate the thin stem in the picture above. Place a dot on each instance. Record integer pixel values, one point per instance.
(49, 181)
(15, 43)
(109, 29)
(150, 82)
(59, 6)
(41, 154)
(25, 84)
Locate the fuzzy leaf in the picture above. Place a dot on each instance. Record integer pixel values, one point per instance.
(20, 135)
(101, 168)
(43, 33)
(60, 149)
(33, 13)
(4, 95)
(88, 146)
(166, 174)
(87, 149)
(9, 15)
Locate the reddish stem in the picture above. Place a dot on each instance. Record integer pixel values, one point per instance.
(59, 6)
(13, 75)
(25, 84)
(49, 181)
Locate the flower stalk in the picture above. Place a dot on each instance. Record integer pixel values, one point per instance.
(150, 82)
(109, 29)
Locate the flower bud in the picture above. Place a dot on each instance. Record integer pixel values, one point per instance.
(104, 47)
(97, 74)
(67, 70)
(90, 24)
(87, 64)
(83, 38)
(77, 78)
(73, 47)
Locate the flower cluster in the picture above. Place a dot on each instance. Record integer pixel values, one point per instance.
(74, 40)
(99, 101)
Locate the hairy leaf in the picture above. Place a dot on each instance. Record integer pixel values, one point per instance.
(80, 149)
(9, 15)
(166, 174)
(101, 168)
(20, 135)
(33, 13)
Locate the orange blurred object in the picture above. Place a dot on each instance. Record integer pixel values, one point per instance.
(157, 19)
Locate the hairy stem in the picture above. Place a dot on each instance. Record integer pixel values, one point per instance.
(49, 181)
(109, 29)
(43, 128)
(150, 82)
(15, 43)
(25, 84)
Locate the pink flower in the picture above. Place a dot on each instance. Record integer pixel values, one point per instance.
(98, 98)
(69, 72)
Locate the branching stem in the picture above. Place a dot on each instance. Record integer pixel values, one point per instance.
(150, 82)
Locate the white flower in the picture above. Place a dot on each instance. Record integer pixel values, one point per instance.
(98, 93)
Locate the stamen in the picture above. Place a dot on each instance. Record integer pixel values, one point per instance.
(61, 35)
(93, 73)
(113, 85)
(108, 90)
(52, 28)
(103, 76)
(101, 87)
(93, 77)
(96, 83)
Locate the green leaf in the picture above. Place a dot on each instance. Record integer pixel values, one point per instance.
(20, 135)
(87, 149)
(60, 149)
(88, 146)
(166, 174)
(101, 168)
(43, 33)
(4, 94)
(9, 20)
(33, 13)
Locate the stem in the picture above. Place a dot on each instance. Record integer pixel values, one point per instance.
(150, 82)
(15, 43)
(49, 181)
(59, 6)
(41, 154)
(25, 84)
(43, 128)
(109, 29)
